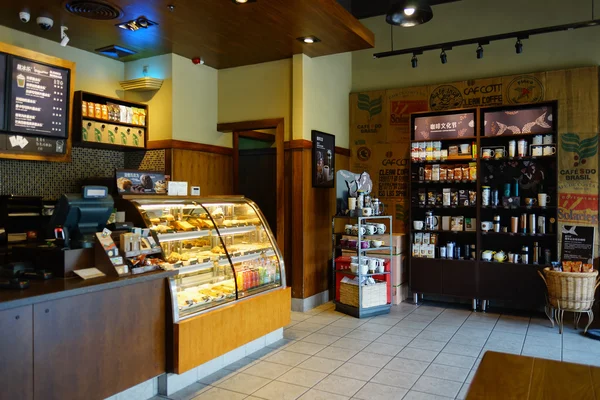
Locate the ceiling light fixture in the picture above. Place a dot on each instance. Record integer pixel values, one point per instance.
(414, 61)
(518, 46)
(135, 24)
(443, 57)
(308, 39)
(484, 40)
(243, 1)
(479, 52)
(408, 13)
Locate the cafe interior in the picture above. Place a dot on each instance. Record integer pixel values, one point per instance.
(299, 199)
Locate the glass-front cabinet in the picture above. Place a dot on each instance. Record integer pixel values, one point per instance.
(222, 247)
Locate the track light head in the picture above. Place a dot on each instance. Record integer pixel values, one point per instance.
(414, 61)
(479, 52)
(519, 46)
(443, 57)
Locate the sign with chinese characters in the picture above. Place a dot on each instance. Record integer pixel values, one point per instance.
(39, 98)
(32, 144)
(533, 119)
(444, 126)
(578, 243)
(323, 159)
(146, 182)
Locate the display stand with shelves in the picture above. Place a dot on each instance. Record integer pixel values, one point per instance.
(475, 278)
(362, 301)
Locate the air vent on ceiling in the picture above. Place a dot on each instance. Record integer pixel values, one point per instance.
(115, 51)
(93, 9)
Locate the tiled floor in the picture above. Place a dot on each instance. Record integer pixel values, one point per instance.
(423, 352)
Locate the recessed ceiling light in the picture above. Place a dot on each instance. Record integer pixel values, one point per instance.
(309, 39)
(243, 1)
(409, 11)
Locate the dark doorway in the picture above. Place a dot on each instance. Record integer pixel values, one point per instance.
(257, 172)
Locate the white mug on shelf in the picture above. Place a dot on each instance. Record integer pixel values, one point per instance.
(418, 225)
(367, 211)
(549, 150)
(371, 229)
(548, 139)
(543, 199)
(537, 139)
(381, 228)
(486, 154)
(512, 148)
(536, 151)
(351, 203)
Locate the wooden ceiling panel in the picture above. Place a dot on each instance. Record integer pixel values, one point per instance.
(223, 33)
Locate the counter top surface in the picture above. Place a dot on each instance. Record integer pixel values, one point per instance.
(57, 288)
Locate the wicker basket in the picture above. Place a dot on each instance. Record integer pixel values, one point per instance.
(571, 291)
(372, 295)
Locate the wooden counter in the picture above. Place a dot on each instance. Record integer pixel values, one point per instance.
(74, 339)
(507, 376)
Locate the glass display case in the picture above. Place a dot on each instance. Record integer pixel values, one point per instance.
(222, 247)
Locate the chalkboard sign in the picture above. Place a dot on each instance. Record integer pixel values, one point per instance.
(38, 99)
(323, 159)
(578, 243)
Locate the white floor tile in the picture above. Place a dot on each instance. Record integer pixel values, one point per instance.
(305, 348)
(320, 338)
(551, 353)
(217, 377)
(427, 344)
(335, 330)
(391, 377)
(437, 386)
(356, 371)
(437, 327)
(363, 335)
(438, 336)
(384, 349)
(393, 339)
(414, 395)
(266, 369)
(581, 357)
(461, 349)
(347, 323)
(294, 334)
(454, 360)
(447, 372)
(463, 392)
(323, 320)
(385, 320)
(314, 394)
(337, 353)
(280, 391)
(220, 394)
(418, 354)
(404, 331)
(374, 391)
(350, 343)
(287, 358)
(372, 327)
(406, 365)
(302, 377)
(340, 385)
(464, 339)
(406, 323)
(308, 326)
(244, 383)
(371, 359)
(550, 341)
(321, 364)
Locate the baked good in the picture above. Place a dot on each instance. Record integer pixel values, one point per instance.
(183, 226)
(124, 184)
(146, 181)
(155, 221)
(217, 250)
(168, 217)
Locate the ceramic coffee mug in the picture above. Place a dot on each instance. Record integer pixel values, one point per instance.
(486, 154)
(418, 225)
(549, 150)
(487, 226)
(499, 154)
(487, 255)
(548, 139)
(367, 211)
(537, 139)
(530, 201)
(381, 228)
(536, 151)
(371, 229)
(543, 199)
(464, 148)
(351, 203)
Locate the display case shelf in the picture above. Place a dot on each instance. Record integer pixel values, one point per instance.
(177, 236)
(190, 269)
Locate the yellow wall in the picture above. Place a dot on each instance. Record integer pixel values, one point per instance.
(256, 92)
(160, 103)
(473, 18)
(94, 73)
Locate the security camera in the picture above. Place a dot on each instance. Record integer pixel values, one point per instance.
(64, 39)
(45, 23)
(24, 16)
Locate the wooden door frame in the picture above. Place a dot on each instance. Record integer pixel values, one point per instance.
(242, 129)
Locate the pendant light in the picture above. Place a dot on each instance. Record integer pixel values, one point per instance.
(407, 13)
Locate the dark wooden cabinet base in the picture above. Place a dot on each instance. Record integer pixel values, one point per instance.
(16, 353)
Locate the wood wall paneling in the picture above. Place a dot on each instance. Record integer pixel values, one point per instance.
(212, 172)
(105, 349)
(209, 335)
(297, 226)
(16, 353)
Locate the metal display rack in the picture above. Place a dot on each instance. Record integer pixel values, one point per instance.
(360, 311)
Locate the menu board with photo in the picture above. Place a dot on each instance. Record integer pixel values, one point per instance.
(38, 98)
(323, 159)
(145, 182)
(445, 126)
(515, 121)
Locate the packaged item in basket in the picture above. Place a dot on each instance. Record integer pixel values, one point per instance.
(422, 197)
(416, 250)
(428, 172)
(435, 172)
(431, 197)
(463, 197)
(458, 173)
(419, 237)
(566, 266)
(465, 172)
(472, 198)
(454, 197)
(426, 238)
(443, 173)
(84, 108)
(587, 268)
(576, 266)
(473, 171)
(450, 174)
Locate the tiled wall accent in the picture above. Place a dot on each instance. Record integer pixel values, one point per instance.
(151, 160)
(51, 179)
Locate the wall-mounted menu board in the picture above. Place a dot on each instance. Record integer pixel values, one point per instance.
(36, 93)
(447, 125)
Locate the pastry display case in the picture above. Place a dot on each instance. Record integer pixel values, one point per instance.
(222, 248)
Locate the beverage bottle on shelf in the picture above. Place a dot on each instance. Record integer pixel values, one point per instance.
(239, 279)
(474, 150)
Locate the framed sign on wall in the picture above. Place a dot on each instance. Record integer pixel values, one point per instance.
(323, 159)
